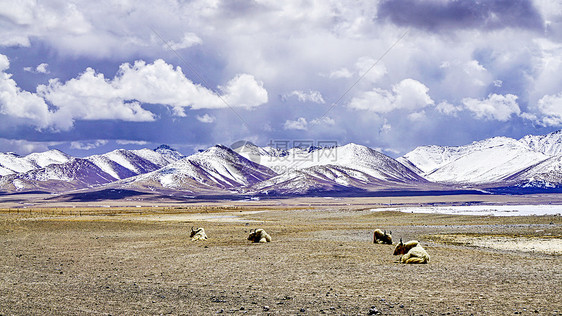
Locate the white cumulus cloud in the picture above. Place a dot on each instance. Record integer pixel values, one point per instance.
(92, 96)
(306, 96)
(494, 107)
(326, 120)
(298, 124)
(448, 109)
(408, 94)
(18, 103)
(242, 91)
(206, 118)
(549, 110)
(88, 145)
(40, 69)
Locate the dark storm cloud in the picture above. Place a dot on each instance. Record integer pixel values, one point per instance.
(440, 16)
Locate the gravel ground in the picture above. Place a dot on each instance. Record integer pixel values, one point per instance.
(321, 261)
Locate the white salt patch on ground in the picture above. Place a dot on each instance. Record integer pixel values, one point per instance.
(482, 210)
(551, 246)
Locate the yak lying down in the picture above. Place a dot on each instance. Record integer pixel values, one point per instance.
(380, 237)
(198, 234)
(259, 235)
(411, 252)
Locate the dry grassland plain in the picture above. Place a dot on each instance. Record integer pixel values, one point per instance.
(66, 259)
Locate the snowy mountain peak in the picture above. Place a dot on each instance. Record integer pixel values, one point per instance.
(122, 163)
(216, 168)
(169, 153)
(258, 154)
(550, 144)
(357, 149)
(217, 150)
(163, 147)
(489, 160)
(11, 163)
(53, 156)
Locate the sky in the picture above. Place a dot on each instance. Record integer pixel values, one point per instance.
(87, 77)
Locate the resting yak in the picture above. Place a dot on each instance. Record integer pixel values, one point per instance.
(411, 252)
(259, 235)
(380, 237)
(198, 234)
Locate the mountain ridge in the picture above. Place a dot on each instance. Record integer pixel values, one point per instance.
(247, 169)
(492, 160)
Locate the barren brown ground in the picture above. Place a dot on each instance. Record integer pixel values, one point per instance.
(134, 261)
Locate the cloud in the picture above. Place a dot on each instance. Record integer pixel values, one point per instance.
(324, 46)
(547, 68)
(103, 30)
(340, 73)
(323, 121)
(40, 69)
(462, 76)
(24, 147)
(131, 142)
(18, 103)
(442, 15)
(91, 96)
(385, 127)
(188, 40)
(369, 69)
(306, 96)
(88, 145)
(417, 116)
(242, 91)
(299, 124)
(160, 83)
(27, 19)
(448, 109)
(552, 13)
(495, 107)
(372, 69)
(206, 118)
(408, 94)
(549, 110)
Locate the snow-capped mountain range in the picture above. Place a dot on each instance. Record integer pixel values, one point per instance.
(55, 171)
(217, 169)
(11, 163)
(498, 160)
(532, 161)
(314, 169)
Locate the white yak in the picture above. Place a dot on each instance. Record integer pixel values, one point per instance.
(411, 252)
(198, 234)
(259, 235)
